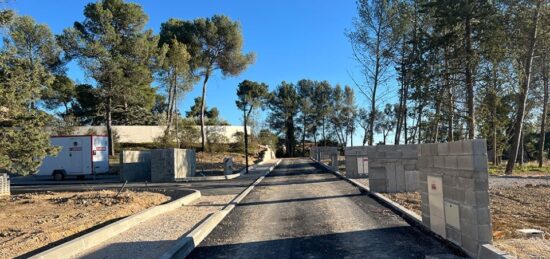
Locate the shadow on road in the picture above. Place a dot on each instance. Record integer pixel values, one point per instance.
(392, 242)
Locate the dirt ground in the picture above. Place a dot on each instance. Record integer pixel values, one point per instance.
(214, 161)
(32, 221)
(512, 208)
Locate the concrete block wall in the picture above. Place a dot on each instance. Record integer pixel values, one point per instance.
(171, 164)
(462, 168)
(4, 185)
(323, 153)
(135, 165)
(391, 168)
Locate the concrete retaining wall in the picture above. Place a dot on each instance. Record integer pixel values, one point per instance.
(390, 168)
(4, 185)
(171, 164)
(324, 153)
(148, 134)
(135, 165)
(460, 169)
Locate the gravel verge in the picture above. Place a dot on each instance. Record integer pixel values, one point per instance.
(153, 237)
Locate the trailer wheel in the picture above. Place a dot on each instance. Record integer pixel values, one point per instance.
(58, 175)
(80, 177)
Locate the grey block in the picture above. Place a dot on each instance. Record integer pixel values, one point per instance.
(451, 162)
(411, 181)
(442, 149)
(391, 181)
(410, 165)
(377, 173)
(465, 162)
(439, 162)
(480, 163)
(470, 245)
(455, 148)
(483, 215)
(484, 233)
(488, 251)
(479, 147)
(378, 185)
(400, 178)
(453, 235)
(467, 184)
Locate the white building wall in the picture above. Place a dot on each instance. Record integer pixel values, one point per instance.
(148, 134)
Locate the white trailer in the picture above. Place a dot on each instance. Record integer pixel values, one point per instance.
(79, 156)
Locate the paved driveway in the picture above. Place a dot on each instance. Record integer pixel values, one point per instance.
(302, 211)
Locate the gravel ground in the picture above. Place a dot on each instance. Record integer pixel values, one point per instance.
(501, 181)
(302, 211)
(153, 237)
(517, 181)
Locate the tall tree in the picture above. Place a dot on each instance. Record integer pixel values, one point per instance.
(23, 74)
(115, 50)
(525, 58)
(322, 106)
(214, 44)
(284, 106)
(306, 91)
(373, 43)
(350, 112)
(251, 95)
(175, 76)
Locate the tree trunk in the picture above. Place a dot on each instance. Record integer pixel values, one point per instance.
(521, 148)
(544, 110)
(203, 104)
(324, 136)
(304, 136)
(469, 78)
(524, 90)
(494, 115)
(245, 138)
(109, 128)
(402, 98)
(450, 134)
(375, 84)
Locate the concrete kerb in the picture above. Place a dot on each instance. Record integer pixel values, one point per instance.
(185, 245)
(87, 241)
(412, 218)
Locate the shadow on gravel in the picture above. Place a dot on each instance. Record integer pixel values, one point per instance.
(299, 181)
(298, 199)
(393, 242)
(139, 249)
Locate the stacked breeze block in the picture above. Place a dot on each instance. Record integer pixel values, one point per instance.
(460, 211)
(4, 185)
(171, 164)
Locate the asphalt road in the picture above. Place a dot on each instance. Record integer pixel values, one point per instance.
(302, 211)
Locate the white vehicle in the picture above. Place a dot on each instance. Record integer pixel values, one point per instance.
(79, 156)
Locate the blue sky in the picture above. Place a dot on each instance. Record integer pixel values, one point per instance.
(292, 40)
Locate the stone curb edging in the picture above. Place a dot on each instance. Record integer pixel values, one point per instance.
(185, 245)
(485, 251)
(87, 241)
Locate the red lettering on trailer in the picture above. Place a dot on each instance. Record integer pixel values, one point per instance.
(100, 148)
(434, 186)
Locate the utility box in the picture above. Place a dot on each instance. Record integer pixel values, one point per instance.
(363, 165)
(79, 156)
(435, 199)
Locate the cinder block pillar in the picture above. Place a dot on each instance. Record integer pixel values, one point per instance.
(462, 166)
